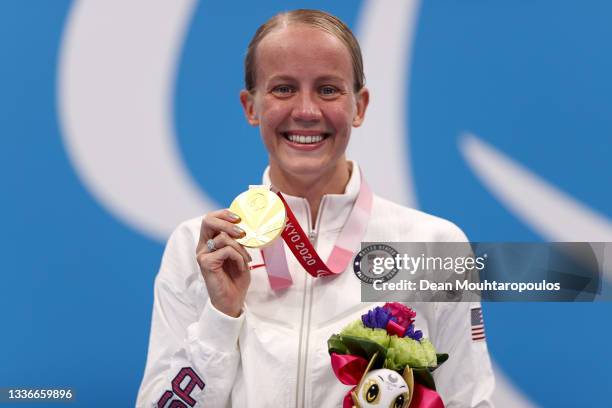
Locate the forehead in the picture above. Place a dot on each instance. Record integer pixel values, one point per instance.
(303, 51)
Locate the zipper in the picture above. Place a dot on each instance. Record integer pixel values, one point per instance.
(307, 311)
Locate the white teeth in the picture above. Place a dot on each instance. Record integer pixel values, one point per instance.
(305, 139)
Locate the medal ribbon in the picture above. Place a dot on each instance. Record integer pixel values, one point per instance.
(297, 240)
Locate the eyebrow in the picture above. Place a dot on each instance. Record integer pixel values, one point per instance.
(281, 78)
(324, 78)
(331, 78)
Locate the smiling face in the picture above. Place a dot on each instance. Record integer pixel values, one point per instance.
(304, 101)
(382, 388)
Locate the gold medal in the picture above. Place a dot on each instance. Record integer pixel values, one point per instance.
(262, 216)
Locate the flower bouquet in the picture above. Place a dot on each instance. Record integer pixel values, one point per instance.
(387, 360)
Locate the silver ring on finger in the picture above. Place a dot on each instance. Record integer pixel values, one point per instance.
(211, 245)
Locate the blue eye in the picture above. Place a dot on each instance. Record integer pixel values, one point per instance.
(328, 90)
(283, 90)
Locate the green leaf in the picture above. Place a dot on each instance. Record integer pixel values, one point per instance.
(441, 357)
(366, 349)
(424, 377)
(335, 345)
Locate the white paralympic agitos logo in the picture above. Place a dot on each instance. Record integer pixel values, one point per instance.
(115, 90)
(116, 80)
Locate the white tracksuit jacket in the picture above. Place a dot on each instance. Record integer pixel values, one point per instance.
(275, 353)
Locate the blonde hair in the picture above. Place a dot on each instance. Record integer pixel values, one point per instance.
(314, 18)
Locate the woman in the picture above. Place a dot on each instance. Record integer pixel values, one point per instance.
(223, 334)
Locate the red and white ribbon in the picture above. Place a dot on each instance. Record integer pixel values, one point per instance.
(297, 240)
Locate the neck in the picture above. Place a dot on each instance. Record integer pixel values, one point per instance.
(312, 188)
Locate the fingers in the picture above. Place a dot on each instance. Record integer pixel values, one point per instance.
(213, 262)
(219, 226)
(223, 240)
(220, 221)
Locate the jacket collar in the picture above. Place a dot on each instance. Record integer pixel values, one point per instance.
(334, 209)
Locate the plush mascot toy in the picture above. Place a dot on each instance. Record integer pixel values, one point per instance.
(384, 388)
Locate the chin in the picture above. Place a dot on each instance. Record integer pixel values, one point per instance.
(301, 167)
(309, 166)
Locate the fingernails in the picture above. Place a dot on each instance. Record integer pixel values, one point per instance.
(239, 230)
(232, 216)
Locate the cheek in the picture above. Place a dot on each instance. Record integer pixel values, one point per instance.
(272, 114)
(341, 116)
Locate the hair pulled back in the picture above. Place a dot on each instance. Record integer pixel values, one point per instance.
(313, 18)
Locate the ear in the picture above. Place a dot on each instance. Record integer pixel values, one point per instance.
(369, 366)
(409, 378)
(247, 100)
(355, 400)
(362, 100)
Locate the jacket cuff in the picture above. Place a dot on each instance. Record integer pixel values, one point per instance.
(218, 330)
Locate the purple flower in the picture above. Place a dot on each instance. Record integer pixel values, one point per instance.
(403, 315)
(413, 334)
(376, 318)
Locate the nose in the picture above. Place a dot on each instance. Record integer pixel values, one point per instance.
(306, 108)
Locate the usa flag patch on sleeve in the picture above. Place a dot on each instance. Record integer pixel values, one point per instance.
(478, 332)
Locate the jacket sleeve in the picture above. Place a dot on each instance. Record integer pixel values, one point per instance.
(193, 352)
(466, 379)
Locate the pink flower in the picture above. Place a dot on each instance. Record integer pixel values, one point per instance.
(403, 315)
